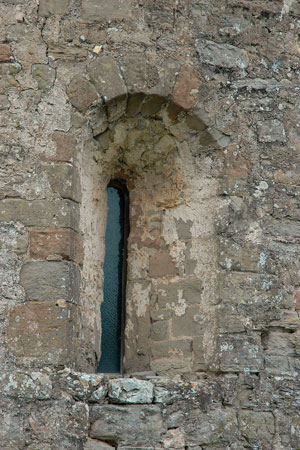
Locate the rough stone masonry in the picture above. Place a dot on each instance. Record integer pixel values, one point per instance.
(195, 105)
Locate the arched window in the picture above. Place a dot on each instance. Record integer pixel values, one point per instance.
(113, 306)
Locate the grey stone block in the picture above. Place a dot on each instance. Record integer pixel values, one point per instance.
(130, 390)
(106, 76)
(222, 55)
(50, 281)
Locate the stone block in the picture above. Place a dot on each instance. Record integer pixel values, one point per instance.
(41, 330)
(101, 10)
(239, 353)
(130, 390)
(29, 386)
(218, 426)
(50, 281)
(284, 228)
(160, 330)
(126, 423)
(56, 243)
(94, 444)
(5, 53)
(174, 295)
(67, 52)
(8, 72)
(44, 75)
(40, 213)
(4, 102)
(258, 428)
(106, 76)
(12, 433)
(172, 349)
(49, 7)
(82, 93)
(186, 88)
(221, 55)
(161, 265)
(65, 147)
(171, 366)
(271, 130)
(64, 180)
(188, 323)
(199, 362)
(246, 258)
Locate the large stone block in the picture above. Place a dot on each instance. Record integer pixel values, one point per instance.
(219, 427)
(48, 7)
(246, 258)
(44, 75)
(172, 349)
(129, 424)
(101, 10)
(161, 265)
(64, 180)
(174, 295)
(106, 76)
(56, 243)
(50, 281)
(65, 147)
(258, 428)
(189, 322)
(221, 55)
(271, 131)
(130, 390)
(5, 53)
(40, 213)
(41, 330)
(30, 386)
(239, 353)
(81, 93)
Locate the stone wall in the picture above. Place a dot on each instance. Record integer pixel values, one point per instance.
(195, 104)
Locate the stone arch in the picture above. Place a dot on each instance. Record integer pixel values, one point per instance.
(166, 154)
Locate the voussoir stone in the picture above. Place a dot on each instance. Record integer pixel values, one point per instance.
(130, 390)
(106, 76)
(81, 93)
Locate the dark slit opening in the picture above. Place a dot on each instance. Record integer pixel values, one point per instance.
(115, 274)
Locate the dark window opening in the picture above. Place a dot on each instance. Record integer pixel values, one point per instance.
(115, 268)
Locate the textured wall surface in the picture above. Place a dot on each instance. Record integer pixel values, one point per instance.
(195, 104)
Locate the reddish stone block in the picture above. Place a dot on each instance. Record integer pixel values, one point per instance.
(161, 265)
(186, 85)
(54, 244)
(42, 331)
(297, 299)
(5, 53)
(65, 147)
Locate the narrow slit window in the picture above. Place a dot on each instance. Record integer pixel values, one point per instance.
(113, 306)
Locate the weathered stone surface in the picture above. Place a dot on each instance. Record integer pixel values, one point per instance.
(81, 385)
(48, 7)
(222, 55)
(126, 423)
(42, 331)
(56, 243)
(93, 10)
(5, 53)
(130, 390)
(161, 265)
(81, 93)
(40, 213)
(64, 180)
(31, 386)
(106, 76)
(239, 353)
(257, 427)
(44, 75)
(13, 237)
(50, 281)
(271, 131)
(172, 349)
(186, 88)
(244, 259)
(187, 322)
(65, 147)
(94, 444)
(8, 72)
(174, 295)
(217, 427)
(66, 52)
